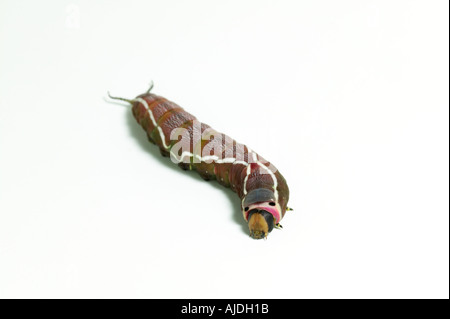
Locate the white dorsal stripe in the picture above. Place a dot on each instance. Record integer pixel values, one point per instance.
(269, 171)
(249, 169)
(215, 158)
(274, 178)
(163, 139)
(144, 103)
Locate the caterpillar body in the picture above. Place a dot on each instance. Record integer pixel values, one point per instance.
(196, 146)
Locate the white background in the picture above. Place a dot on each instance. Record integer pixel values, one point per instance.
(349, 99)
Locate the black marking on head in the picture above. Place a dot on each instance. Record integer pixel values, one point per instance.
(269, 219)
(272, 204)
(250, 213)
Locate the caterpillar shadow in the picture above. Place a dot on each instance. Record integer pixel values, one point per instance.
(140, 136)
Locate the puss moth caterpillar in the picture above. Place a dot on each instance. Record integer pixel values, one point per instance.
(196, 146)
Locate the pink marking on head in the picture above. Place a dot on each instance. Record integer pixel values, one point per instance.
(271, 209)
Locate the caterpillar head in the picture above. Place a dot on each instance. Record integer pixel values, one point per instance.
(261, 211)
(260, 223)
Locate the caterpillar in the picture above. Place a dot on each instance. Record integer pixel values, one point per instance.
(193, 145)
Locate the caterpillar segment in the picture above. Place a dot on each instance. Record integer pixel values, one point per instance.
(196, 146)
